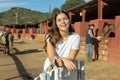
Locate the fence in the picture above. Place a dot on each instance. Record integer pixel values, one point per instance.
(79, 74)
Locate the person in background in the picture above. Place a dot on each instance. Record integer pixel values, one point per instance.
(62, 43)
(96, 45)
(89, 41)
(9, 40)
(19, 34)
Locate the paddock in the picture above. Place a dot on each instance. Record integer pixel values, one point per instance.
(97, 12)
(27, 62)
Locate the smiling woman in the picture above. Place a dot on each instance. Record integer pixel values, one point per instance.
(62, 45)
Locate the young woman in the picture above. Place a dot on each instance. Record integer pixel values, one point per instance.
(62, 43)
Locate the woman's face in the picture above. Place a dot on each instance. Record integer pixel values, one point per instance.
(62, 22)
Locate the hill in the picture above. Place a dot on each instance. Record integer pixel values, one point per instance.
(17, 15)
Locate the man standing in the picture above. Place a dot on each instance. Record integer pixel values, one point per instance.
(89, 41)
(9, 41)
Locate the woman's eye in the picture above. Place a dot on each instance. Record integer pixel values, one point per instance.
(65, 18)
(58, 20)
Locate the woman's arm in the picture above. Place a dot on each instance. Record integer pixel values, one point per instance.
(50, 51)
(49, 48)
(73, 54)
(68, 62)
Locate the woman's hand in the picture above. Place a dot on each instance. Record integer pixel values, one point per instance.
(69, 65)
(59, 62)
(63, 62)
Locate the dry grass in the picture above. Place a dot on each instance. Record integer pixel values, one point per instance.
(32, 58)
(99, 70)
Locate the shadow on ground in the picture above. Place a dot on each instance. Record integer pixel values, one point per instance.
(17, 52)
(20, 67)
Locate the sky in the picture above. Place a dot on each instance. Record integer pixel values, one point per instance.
(36, 5)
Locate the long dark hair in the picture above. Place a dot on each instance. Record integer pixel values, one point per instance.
(54, 34)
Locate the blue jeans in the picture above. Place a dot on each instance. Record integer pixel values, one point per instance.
(90, 51)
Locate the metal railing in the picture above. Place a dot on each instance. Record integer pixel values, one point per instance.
(57, 73)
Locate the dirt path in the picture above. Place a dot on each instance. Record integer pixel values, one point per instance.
(24, 63)
(28, 59)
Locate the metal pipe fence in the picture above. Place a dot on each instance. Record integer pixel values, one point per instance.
(58, 73)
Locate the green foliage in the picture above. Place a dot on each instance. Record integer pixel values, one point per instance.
(21, 16)
(71, 3)
(54, 11)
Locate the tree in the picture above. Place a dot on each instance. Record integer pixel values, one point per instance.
(71, 3)
(54, 11)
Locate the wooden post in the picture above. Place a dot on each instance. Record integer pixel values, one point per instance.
(70, 15)
(100, 9)
(83, 15)
(46, 27)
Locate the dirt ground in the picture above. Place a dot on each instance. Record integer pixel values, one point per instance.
(28, 58)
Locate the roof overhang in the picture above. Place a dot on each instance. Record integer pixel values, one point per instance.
(110, 10)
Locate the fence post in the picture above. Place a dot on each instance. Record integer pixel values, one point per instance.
(58, 73)
(82, 72)
(76, 63)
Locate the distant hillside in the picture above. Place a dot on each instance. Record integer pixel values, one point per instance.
(19, 15)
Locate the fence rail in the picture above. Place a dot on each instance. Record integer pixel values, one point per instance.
(57, 73)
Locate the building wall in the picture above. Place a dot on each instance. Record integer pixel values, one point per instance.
(114, 45)
(81, 28)
(2, 27)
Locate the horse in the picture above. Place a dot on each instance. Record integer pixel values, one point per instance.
(6, 41)
(108, 29)
(3, 41)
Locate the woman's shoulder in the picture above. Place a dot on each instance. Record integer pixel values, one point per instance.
(75, 34)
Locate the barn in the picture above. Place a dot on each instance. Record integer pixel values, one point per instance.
(97, 12)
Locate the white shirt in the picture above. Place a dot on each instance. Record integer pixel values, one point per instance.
(64, 47)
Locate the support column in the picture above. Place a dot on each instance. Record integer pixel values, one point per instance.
(26, 32)
(70, 15)
(45, 27)
(41, 24)
(83, 15)
(100, 9)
